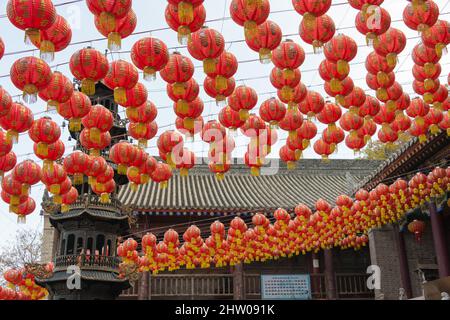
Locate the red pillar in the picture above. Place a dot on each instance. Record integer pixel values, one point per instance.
(238, 282)
(403, 261)
(330, 275)
(440, 245)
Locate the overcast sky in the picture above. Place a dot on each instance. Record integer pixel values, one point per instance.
(151, 17)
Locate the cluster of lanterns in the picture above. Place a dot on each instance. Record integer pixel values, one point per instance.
(344, 225)
(353, 118)
(21, 285)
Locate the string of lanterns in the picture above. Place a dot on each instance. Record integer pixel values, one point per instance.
(344, 225)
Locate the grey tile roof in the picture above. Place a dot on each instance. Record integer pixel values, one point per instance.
(239, 191)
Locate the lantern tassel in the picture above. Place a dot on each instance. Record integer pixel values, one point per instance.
(88, 87)
(21, 219)
(184, 35)
(149, 74)
(32, 36)
(30, 92)
(105, 198)
(186, 12)
(78, 178)
(42, 149)
(209, 65)
(120, 95)
(12, 136)
(114, 41)
(265, 56)
(75, 124)
(47, 51)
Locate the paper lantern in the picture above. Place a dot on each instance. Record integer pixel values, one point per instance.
(18, 120)
(267, 38)
(243, 100)
(150, 55)
(178, 70)
(31, 16)
(44, 131)
(89, 66)
(206, 45)
(184, 26)
(74, 109)
(249, 14)
(122, 76)
(30, 75)
(123, 28)
(317, 33)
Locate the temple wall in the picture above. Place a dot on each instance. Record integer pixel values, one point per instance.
(49, 241)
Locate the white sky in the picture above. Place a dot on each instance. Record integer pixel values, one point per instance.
(151, 17)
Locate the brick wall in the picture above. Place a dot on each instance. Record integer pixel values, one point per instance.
(383, 253)
(49, 241)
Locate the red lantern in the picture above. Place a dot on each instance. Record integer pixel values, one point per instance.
(250, 14)
(364, 4)
(387, 135)
(7, 163)
(145, 113)
(402, 123)
(292, 121)
(187, 162)
(194, 126)
(186, 8)
(355, 142)
(18, 120)
(426, 90)
(98, 120)
(55, 151)
(59, 90)
(122, 76)
(143, 132)
(299, 94)
(31, 16)
(421, 17)
(30, 75)
(210, 85)
(122, 154)
(150, 55)
(44, 132)
(351, 122)
(105, 190)
(341, 49)
(425, 57)
(162, 174)
(135, 96)
(333, 135)
(170, 143)
(272, 111)
(193, 110)
(230, 119)
(226, 67)
(289, 157)
(331, 113)
(267, 38)
(437, 37)
(213, 132)
(243, 100)
(312, 105)
(75, 164)
(319, 32)
(2, 48)
(5, 102)
(288, 56)
(27, 173)
(373, 30)
(285, 84)
(428, 78)
(94, 141)
(109, 12)
(184, 26)
(390, 44)
(206, 45)
(323, 149)
(307, 131)
(347, 86)
(5, 144)
(433, 119)
(54, 178)
(311, 8)
(89, 66)
(69, 198)
(54, 39)
(123, 28)
(178, 70)
(417, 227)
(384, 116)
(355, 99)
(24, 210)
(74, 109)
(328, 71)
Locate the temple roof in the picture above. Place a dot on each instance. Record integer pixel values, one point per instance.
(240, 192)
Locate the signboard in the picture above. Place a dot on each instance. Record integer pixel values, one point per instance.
(286, 287)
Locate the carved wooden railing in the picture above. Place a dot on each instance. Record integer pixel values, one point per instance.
(88, 262)
(220, 286)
